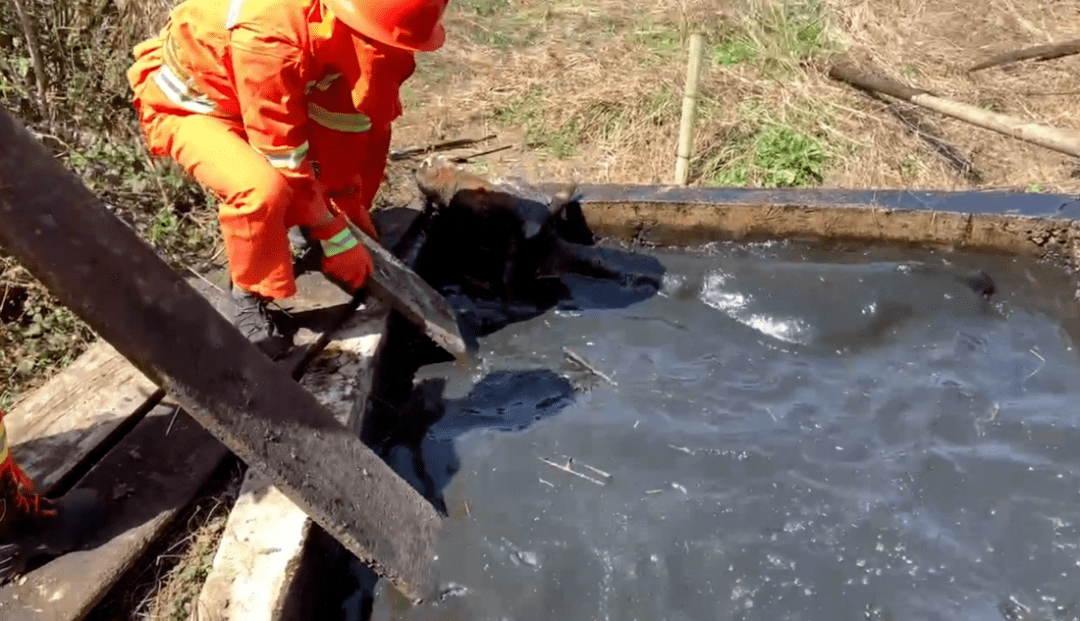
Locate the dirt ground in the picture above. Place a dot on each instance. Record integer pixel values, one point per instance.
(592, 91)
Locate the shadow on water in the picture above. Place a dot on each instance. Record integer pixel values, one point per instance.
(422, 449)
(494, 275)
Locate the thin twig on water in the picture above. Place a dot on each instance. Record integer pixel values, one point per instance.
(588, 366)
(573, 472)
(175, 413)
(570, 463)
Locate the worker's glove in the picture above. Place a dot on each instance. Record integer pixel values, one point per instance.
(345, 260)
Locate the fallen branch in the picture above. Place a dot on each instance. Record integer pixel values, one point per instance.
(467, 158)
(30, 34)
(404, 154)
(1037, 53)
(1058, 139)
(917, 124)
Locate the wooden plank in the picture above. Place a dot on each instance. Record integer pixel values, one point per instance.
(161, 464)
(82, 410)
(63, 235)
(64, 421)
(262, 551)
(413, 297)
(111, 561)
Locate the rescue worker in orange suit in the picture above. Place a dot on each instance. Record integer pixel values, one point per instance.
(283, 109)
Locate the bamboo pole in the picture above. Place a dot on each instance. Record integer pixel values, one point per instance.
(1058, 139)
(686, 126)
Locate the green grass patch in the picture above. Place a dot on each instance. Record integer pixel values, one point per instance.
(775, 36)
(497, 23)
(527, 112)
(761, 151)
(598, 122)
(734, 50)
(910, 167)
(657, 42)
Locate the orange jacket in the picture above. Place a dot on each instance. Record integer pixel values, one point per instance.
(274, 66)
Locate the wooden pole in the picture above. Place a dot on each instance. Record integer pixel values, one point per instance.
(99, 267)
(1039, 52)
(1062, 140)
(690, 94)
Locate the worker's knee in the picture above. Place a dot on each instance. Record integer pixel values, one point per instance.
(264, 197)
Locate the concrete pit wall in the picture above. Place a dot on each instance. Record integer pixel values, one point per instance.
(1032, 225)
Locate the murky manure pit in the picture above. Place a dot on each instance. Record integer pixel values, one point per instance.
(769, 431)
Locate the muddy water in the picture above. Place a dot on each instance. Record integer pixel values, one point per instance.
(791, 434)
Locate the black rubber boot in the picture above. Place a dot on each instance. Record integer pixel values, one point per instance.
(65, 526)
(251, 315)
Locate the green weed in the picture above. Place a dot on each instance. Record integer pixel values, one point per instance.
(561, 141)
(497, 23)
(778, 37)
(910, 167)
(734, 50)
(765, 154)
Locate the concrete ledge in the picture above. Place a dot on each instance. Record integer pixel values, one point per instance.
(1029, 224)
(262, 550)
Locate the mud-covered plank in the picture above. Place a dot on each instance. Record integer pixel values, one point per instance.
(150, 476)
(262, 550)
(63, 235)
(64, 421)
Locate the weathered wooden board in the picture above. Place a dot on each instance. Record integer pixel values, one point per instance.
(150, 476)
(411, 296)
(63, 235)
(108, 563)
(262, 550)
(64, 421)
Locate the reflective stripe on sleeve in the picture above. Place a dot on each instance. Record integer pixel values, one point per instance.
(352, 122)
(180, 94)
(233, 16)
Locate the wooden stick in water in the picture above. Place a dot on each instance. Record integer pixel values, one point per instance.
(573, 472)
(589, 367)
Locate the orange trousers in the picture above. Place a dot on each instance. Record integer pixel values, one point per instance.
(258, 204)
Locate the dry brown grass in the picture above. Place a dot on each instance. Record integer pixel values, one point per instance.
(617, 95)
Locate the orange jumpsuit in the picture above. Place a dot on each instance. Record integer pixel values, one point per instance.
(279, 109)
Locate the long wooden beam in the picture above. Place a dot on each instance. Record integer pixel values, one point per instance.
(102, 270)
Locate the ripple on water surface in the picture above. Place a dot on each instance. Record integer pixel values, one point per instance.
(791, 435)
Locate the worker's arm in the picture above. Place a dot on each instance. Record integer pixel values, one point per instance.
(270, 85)
(270, 81)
